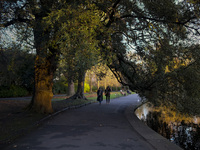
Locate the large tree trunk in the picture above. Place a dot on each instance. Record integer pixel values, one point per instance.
(44, 70)
(43, 87)
(80, 90)
(45, 66)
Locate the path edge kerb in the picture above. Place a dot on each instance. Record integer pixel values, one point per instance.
(38, 123)
(157, 141)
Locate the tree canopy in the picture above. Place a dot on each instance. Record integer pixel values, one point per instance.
(163, 56)
(150, 46)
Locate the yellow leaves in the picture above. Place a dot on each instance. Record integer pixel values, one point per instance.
(103, 75)
(153, 68)
(171, 115)
(177, 63)
(151, 26)
(177, 20)
(73, 24)
(154, 29)
(167, 69)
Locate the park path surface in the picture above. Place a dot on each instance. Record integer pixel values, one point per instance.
(95, 127)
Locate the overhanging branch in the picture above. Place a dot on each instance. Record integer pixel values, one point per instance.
(111, 16)
(14, 21)
(157, 20)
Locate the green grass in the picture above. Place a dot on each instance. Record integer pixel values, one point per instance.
(113, 95)
(60, 103)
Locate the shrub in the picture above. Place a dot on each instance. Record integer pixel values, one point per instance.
(86, 88)
(13, 91)
(60, 87)
(94, 88)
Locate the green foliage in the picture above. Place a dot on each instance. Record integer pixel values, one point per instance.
(78, 26)
(161, 42)
(60, 86)
(94, 88)
(13, 91)
(17, 68)
(83, 31)
(179, 85)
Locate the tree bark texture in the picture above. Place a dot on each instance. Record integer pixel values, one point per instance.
(45, 66)
(43, 87)
(80, 90)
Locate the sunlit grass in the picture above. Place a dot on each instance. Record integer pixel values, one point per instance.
(112, 96)
(91, 98)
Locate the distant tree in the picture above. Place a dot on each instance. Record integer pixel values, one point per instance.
(101, 74)
(79, 43)
(90, 77)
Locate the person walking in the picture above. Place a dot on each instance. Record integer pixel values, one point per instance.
(107, 94)
(100, 95)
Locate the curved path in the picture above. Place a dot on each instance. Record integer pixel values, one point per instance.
(95, 127)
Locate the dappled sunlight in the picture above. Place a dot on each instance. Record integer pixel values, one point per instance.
(167, 114)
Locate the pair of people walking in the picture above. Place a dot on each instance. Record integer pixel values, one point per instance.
(100, 95)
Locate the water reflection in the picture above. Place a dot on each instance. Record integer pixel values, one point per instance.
(181, 130)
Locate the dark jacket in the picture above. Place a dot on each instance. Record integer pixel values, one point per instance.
(107, 91)
(100, 95)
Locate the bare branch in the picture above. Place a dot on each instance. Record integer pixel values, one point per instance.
(158, 20)
(111, 16)
(14, 21)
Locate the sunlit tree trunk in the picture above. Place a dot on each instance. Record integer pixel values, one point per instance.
(44, 70)
(45, 66)
(43, 87)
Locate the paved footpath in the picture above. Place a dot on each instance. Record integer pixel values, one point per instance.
(95, 127)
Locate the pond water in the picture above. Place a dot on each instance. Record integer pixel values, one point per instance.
(179, 129)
